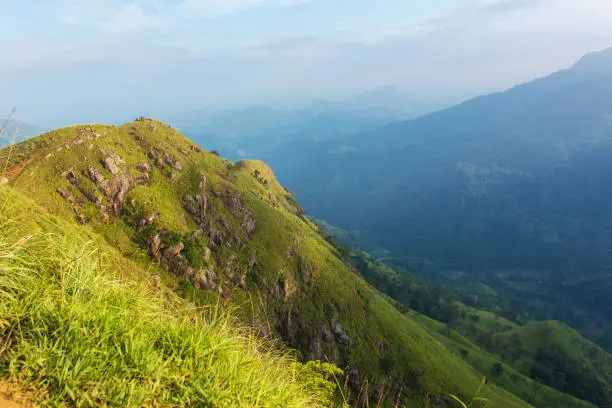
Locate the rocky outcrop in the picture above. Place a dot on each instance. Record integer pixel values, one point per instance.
(288, 289)
(338, 331)
(66, 195)
(174, 250)
(306, 271)
(155, 156)
(155, 247)
(96, 176)
(143, 167)
(116, 189)
(173, 163)
(206, 279)
(112, 163)
(249, 225)
(71, 177)
(196, 205)
(207, 254)
(161, 158)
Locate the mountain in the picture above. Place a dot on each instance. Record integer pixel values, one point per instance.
(509, 189)
(191, 225)
(259, 130)
(15, 132)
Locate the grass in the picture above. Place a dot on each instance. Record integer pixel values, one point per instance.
(72, 330)
(389, 351)
(499, 373)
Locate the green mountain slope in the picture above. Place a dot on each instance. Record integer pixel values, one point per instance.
(492, 344)
(557, 355)
(80, 325)
(215, 232)
(510, 189)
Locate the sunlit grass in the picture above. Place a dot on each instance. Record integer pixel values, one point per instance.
(71, 330)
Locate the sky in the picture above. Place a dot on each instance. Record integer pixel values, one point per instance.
(68, 61)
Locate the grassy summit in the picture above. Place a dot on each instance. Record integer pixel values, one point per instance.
(216, 233)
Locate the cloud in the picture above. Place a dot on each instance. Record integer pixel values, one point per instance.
(502, 6)
(111, 59)
(209, 8)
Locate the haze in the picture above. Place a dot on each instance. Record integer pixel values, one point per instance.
(109, 61)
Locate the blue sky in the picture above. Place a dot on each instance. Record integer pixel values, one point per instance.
(69, 61)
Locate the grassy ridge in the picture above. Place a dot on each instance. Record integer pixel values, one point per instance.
(72, 330)
(299, 286)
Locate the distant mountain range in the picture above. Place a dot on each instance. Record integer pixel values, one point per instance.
(260, 130)
(512, 189)
(15, 131)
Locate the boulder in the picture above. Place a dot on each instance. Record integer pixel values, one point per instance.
(110, 165)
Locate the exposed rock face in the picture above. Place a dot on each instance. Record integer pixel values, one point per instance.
(71, 177)
(253, 260)
(207, 254)
(288, 288)
(174, 163)
(116, 189)
(174, 251)
(112, 163)
(197, 205)
(96, 176)
(155, 245)
(65, 195)
(306, 271)
(179, 266)
(338, 330)
(206, 279)
(249, 225)
(144, 167)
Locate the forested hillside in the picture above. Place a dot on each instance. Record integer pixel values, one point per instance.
(510, 190)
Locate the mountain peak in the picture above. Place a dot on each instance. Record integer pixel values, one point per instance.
(597, 62)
